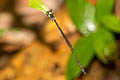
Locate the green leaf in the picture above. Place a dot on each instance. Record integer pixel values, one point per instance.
(38, 4)
(111, 22)
(104, 7)
(104, 44)
(76, 10)
(85, 52)
(83, 15)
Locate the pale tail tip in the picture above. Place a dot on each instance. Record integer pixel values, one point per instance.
(83, 71)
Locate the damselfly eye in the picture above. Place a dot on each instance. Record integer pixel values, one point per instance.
(51, 16)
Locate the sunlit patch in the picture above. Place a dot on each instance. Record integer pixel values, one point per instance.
(88, 28)
(91, 26)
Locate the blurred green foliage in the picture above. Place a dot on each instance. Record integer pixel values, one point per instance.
(98, 23)
(104, 44)
(82, 14)
(111, 22)
(85, 58)
(104, 7)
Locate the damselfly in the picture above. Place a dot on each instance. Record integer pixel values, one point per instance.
(51, 15)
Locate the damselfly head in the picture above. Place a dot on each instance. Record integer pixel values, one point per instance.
(50, 14)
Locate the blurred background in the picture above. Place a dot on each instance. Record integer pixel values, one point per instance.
(32, 48)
